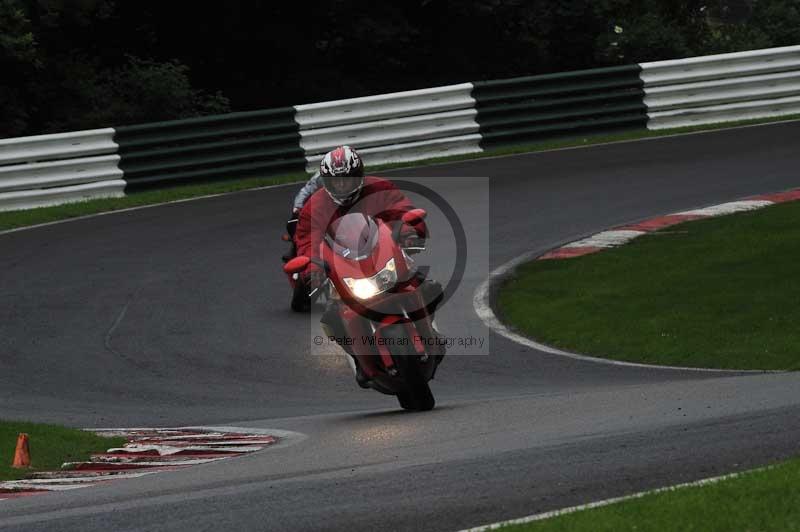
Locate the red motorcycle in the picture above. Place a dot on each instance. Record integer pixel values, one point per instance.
(376, 310)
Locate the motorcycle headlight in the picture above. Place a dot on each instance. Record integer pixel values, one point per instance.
(372, 286)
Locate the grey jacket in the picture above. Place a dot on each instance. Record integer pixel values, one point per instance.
(314, 184)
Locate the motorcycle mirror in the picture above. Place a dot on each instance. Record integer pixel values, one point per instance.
(414, 216)
(296, 265)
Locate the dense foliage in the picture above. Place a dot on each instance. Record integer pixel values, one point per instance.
(76, 64)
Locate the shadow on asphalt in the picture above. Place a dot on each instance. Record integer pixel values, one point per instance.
(389, 414)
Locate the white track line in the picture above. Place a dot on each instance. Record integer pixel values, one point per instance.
(606, 502)
(67, 482)
(146, 463)
(43, 489)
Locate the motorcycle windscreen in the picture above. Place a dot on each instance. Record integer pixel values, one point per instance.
(353, 236)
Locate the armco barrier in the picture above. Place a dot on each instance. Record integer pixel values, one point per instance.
(401, 126)
(720, 88)
(389, 128)
(522, 109)
(52, 169)
(384, 106)
(57, 146)
(721, 66)
(247, 144)
(28, 199)
(385, 137)
(739, 89)
(725, 113)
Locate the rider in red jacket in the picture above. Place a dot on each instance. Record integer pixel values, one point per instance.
(345, 190)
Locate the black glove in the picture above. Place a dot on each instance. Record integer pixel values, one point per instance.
(313, 278)
(291, 224)
(411, 242)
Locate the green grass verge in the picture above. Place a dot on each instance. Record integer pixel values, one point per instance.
(14, 219)
(715, 293)
(50, 446)
(763, 500)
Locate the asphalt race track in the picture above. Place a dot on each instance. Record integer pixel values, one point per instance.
(178, 315)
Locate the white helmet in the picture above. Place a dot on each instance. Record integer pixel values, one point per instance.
(342, 174)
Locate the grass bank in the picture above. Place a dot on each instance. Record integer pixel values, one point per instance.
(50, 446)
(714, 293)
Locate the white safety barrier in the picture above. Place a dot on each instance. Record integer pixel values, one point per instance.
(383, 106)
(57, 146)
(28, 199)
(412, 125)
(396, 127)
(721, 88)
(53, 169)
(412, 151)
(725, 113)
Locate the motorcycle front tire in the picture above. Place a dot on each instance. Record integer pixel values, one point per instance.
(416, 395)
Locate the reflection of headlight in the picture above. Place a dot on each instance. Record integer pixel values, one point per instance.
(372, 286)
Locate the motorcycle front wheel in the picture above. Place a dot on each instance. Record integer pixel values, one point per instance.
(416, 395)
(418, 399)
